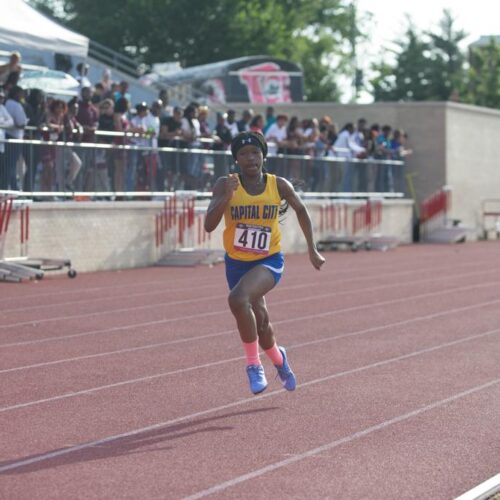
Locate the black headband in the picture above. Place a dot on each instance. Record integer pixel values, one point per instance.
(248, 138)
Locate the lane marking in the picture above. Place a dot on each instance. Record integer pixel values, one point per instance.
(212, 297)
(238, 358)
(334, 444)
(482, 491)
(65, 451)
(336, 272)
(225, 311)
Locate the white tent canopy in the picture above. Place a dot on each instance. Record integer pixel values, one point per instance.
(22, 26)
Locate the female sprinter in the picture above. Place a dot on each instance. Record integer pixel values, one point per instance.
(251, 205)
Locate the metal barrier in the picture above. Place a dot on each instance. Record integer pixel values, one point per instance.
(180, 237)
(348, 225)
(490, 217)
(23, 266)
(38, 166)
(435, 224)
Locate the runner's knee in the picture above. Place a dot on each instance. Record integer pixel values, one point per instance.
(238, 300)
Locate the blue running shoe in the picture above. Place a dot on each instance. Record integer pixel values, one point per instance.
(285, 373)
(257, 378)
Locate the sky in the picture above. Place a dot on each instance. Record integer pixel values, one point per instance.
(475, 17)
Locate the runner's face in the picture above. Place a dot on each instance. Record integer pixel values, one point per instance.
(250, 159)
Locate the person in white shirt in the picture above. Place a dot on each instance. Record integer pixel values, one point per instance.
(14, 151)
(6, 121)
(231, 123)
(276, 137)
(82, 70)
(345, 147)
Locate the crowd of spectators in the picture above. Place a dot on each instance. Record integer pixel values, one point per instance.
(101, 114)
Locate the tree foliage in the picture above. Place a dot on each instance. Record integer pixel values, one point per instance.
(192, 32)
(430, 66)
(482, 84)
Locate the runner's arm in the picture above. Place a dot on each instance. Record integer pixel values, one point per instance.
(287, 193)
(221, 196)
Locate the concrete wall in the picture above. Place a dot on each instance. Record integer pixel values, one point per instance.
(105, 235)
(473, 159)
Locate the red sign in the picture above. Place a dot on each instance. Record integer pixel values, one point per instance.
(266, 83)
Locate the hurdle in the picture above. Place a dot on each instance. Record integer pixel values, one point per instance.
(352, 227)
(10, 270)
(490, 217)
(180, 236)
(435, 223)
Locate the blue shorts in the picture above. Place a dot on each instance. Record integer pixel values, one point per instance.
(235, 269)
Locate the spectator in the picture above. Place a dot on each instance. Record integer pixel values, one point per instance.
(361, 169)
(153, 127)
(14, 152)
(6, 121)
(120, 124)
(223, 141)
(104, 157)
(371, 149)
(12, 67)
(192, 164)
(257, 124)
(346, 148)
(88, 117)
(166, 109)
(68, 169)
(294, 141)
(399, 152)
(82, 70)
(99, 94)
(122, 91)
(270, 119)
(138, 125)
(170, 137)
(277, 134)
(36, 111)
(244, 124)
(384, 179)
(50, 154)
(231, 122)
(106, 80)
(203, 119)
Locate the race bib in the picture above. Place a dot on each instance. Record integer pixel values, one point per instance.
(252, 238)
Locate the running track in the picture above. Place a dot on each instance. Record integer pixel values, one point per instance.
(131, 384)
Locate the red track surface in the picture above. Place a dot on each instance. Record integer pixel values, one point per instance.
(131, 384)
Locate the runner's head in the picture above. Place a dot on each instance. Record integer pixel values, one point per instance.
(248, 138)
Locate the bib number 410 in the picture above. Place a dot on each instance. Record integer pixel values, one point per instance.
(254, 239)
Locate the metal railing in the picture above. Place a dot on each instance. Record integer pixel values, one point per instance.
(35, 165)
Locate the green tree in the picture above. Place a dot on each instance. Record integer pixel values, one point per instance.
(482, 84)
(408, 78)
(427, 66)
(309, 32)
(447, 69)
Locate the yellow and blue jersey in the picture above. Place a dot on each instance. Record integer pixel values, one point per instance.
(252, 229)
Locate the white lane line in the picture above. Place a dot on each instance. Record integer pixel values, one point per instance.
(336, 272)
(334, 444)
(224, 311)
(108, 297)
(238, 358)
(212, 297)
(71, 449)
(232, 331)
(199, 287)
(482, 491)
(288, 320)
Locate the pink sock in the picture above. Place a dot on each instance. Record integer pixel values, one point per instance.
(275, 355)
(252, 352)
